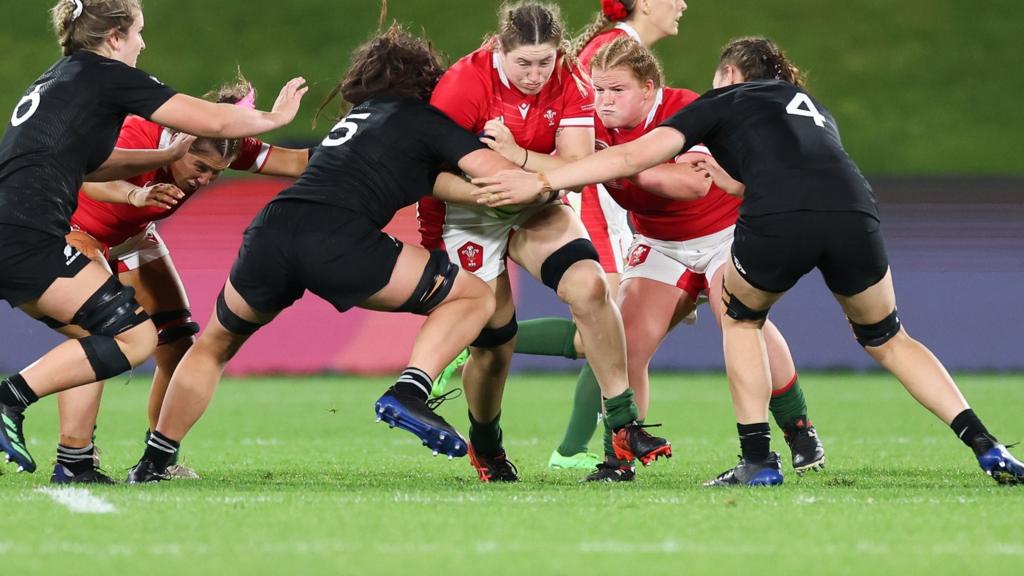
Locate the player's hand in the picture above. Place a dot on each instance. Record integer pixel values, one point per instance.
(499, 138)
(180, 144)
(90, 247)
(508, 187)
(710, 168)
(165, 196)
(287, 104)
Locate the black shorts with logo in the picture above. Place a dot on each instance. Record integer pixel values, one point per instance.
(773, 251)
(30, 260)
(293, 246)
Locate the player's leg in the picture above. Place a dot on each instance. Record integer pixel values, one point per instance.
(787, 404)
(872, 315)
(552, 246)
(73, 290)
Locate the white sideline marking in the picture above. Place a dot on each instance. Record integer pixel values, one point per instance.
(79, 500)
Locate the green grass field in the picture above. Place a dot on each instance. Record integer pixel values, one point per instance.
(299, 480)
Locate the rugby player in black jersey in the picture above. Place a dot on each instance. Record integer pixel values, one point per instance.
(324, 234)
(62, 131)
(805, 206)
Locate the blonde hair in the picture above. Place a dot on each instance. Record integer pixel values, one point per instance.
(91, 27)
(627, 53)
(600, 24)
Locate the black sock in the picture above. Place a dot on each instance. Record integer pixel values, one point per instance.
(160, 450)
(14, 391)
(969, 429)
(755, 441)
(485, 437)
(413, 382)
(77, 460)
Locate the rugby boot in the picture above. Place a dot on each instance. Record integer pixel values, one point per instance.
(63, 475)
(767, 473)
(580, 460)
(496, 468)
(438, 386)
(998, 463)
(805, 446)
(12, 439)
(612, 470)
(415, 415)
(146, 472)
(633, 442)
(176, 471)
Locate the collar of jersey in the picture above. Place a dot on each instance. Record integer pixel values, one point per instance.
(496, 60)
(629, 30)
(654, 109)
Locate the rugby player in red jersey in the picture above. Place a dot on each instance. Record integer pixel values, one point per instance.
(524, 92)
(115, 222)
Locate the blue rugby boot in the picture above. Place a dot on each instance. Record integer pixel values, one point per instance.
(63, 475)
(998, 463)
(12, 439)
(767, 473)
(415, 415)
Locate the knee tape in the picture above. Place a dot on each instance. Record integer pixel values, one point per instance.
(878, 333)
(104, 356)
(233, 322)
(552, 270)
(174, 325)
(112, 309)
(434, 286)
(737, 310)
(495, 337)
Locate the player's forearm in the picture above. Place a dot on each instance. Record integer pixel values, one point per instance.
(287, 162)
(116, 192)
(124, 163)
(451, 188)
(675, 181)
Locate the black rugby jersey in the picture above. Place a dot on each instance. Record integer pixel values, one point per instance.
(63, 128)
(383, 156)
(781, 143)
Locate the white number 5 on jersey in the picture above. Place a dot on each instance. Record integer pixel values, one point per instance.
(348, 125)
(801, 105)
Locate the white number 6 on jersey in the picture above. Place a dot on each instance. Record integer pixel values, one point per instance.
(350, 130)
(33, 104)
(801, 105)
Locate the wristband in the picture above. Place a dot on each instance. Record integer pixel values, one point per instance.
(526, 158)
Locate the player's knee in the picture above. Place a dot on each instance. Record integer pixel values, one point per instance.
(877, 334)
(560, 261)
(110, 356)
(111, 310)
(175, 325)
(233, 322)
(493, 338)
(740, 312)
(434, 286)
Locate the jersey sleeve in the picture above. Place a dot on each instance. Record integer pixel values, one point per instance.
(139, 134)
(577, 100)
(447, 141)
(462, 95)
(133, 91)
(697, 120)
(253, 156)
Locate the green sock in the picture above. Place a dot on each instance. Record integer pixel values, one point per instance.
(485, 436)
(788, 405)
(620, 410)
(547, 337)
(586, 405)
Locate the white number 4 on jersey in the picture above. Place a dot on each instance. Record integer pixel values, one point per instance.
(801, 105)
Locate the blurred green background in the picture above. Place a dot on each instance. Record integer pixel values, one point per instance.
(918, 86)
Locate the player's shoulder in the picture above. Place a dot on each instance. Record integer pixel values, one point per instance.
(677, 98)
(475, 65)
(139, 133)
(598, 42)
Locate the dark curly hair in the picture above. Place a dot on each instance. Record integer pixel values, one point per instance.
(396, 63)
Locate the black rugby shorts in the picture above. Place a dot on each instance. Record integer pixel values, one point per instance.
(30, 260)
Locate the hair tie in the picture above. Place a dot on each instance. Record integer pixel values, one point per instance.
(249, 100)
(79, 8)
(614, 10)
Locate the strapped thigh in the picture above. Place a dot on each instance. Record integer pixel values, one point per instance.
(434, 286)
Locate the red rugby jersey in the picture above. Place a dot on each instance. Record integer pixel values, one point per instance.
(662, 218)
(475, 89)
(112, 223)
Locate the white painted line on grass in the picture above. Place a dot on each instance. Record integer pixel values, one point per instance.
(79, 500)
